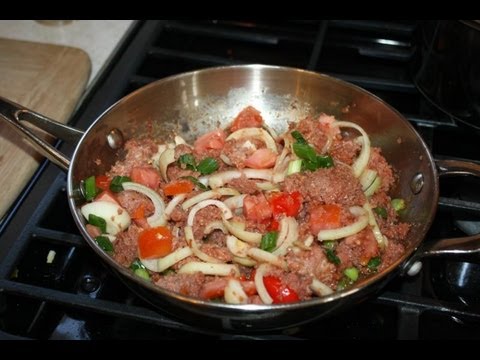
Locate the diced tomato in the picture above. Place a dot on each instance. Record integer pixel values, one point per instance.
(261, 159)
(142, 222)
(286, 203)
(216, 288)
(279, 292)
(178, 187)
(212, 140)
(107, 195)
(249, 287)
(248, 117)
(145, 175)
(139, 212)
(103, 182)
(324, 217)
(274, 225)
(256, 208)
(155, 242)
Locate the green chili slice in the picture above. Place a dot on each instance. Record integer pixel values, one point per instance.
(188, 160)
(90, 188)
(381, 211)
(207, 166)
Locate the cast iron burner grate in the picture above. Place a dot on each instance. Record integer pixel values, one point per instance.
(77, 297)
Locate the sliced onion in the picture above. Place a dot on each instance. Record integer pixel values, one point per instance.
(116, 217)
(237, 247)
(259, 284)
(161, 264)
(361, 162)
(219, 179)
(374, 187)
(308, 241)
(281, 165)
(270, 130)
(211, 194)
(245, 261)
(209, 269)
(335, 234)
(381, 239)
(167, 157)
(264, 256)
(235, 202)
(367, 178)
(234, 293)
(291, 236)
(196, 248)
(225, 159)
(214, 225)
(180, 141)
(238, 229)
(257, 133)
(319, 288)
(267, 186)
(172, 204)
(158, 217)
(226, 212)
(156, 156)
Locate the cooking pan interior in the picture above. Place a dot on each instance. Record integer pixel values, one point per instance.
(193, 103)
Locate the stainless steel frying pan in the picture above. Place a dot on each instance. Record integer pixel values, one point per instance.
(195, 102)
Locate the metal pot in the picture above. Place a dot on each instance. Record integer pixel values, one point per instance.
(448, 71)
(195, 102)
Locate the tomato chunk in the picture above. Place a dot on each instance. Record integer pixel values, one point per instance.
(146, 176)
(248, 117)
(324, 217)
(212, 140)
(261, 159)
(279, 292)
(107, 195)
(256, 208)
(286, 203)
(155, 242)
(178, 187)
(103, 182)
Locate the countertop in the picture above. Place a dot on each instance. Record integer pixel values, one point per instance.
(99, 38)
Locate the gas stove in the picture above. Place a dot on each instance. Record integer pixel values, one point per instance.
(77, 297)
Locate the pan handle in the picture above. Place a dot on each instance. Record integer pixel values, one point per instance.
(15, 114)
(462, 247)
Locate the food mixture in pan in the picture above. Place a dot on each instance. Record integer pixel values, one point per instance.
(244, 215)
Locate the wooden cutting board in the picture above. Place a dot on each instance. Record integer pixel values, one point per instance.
(46, 78)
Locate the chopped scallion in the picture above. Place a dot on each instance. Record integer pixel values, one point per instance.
(188, 160)
(139, 269)
(351, 273)
(398, 204)
(104, 243)
(269, 241)
(90, 188)
(207, 166)
(294, 166)
(117, 181)
(374, 263)
(381, 211)
(98, 222)
(332, 256)
(298, 137)
(196, 182)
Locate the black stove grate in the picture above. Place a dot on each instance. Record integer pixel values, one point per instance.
(77, 297)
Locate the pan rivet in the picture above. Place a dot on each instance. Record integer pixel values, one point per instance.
(417, 183)
(115, 139)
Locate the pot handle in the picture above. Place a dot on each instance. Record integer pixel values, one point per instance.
(462, 247)
(15, 114)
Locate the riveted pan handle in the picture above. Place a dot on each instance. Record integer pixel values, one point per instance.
(462, 247)
(15, 114)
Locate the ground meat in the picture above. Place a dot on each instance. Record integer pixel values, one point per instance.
(218, 252)
(139, 153)
(132, 200)
(179, 215)
(357, 250)
(126, 250)
(335, 185)
(377, 162)
(313, 132)
(175, 172)
(185, 284)
(395, 231)
(392, 252)
(298, 283)
(245, 185)
(182, 149)
(313, 263)
(239, 150)
(344, 151)
(202, 218)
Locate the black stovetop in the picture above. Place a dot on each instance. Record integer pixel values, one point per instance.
(77, 297)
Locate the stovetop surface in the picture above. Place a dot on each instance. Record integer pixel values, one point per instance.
(77, 297)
